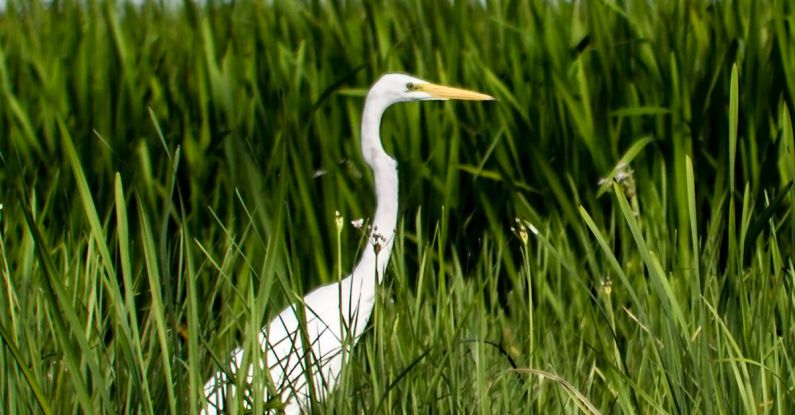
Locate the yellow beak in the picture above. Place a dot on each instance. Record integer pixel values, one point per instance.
(446, 92)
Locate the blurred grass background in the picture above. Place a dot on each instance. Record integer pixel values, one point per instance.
(169, 178)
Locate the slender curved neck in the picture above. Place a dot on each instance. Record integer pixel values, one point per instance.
(375, 256)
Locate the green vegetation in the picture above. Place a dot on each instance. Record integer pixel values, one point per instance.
(169, 178)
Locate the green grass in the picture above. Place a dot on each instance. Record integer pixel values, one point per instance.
(169, 179)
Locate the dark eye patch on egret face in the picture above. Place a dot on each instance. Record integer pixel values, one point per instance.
(411, 87)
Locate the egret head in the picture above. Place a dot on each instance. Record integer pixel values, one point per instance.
(396, 87)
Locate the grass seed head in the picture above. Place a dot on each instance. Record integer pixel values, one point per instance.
(338, 220)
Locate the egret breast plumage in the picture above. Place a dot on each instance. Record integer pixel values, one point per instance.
(335, 314)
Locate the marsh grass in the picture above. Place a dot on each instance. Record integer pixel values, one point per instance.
(170, 178)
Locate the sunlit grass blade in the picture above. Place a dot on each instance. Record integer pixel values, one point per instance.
(638, 305)
(658, 277)
(41, 399)
(67, 326)
(195, 382)
(734, 103)
(125, 258)
(736, 361)
(157, 313)
(582, 402)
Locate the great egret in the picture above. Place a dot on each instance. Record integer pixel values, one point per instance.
(336, 314)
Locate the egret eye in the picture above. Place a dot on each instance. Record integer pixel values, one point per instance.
(410, 86)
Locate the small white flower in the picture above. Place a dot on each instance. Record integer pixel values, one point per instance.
(357, 223)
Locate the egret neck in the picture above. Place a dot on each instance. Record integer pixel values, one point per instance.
(378, 248)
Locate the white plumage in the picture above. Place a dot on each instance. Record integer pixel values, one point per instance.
(336, 314)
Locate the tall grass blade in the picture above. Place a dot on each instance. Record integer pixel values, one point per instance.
(157, 312)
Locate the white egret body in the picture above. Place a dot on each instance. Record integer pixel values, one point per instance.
(336, 314)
